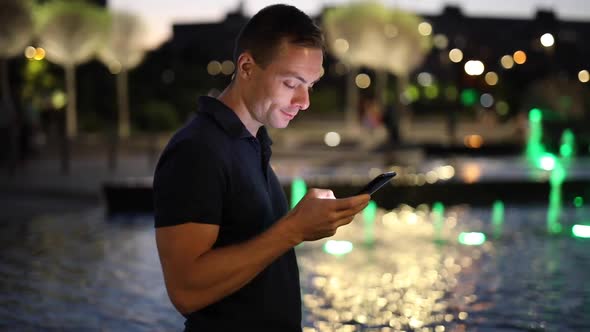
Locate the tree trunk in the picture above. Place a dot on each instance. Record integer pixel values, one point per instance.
(71, 116)
(10, 116)
(71, 127)
(122, 127)
(123, 104)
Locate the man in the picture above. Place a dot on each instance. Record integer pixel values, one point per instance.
(223, 233)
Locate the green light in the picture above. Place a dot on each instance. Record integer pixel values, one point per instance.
(298, 190)
(535, 115)
(369, 214)
(497, 218)
(566, 150)
(502, 107)
(469, 97)
(431, 91)
(412, 93)
(438, 215)
(58, 100)
(578, 201)
(472, 238)
(534, 148)
(558, 175)
(547, 162)
(582, 231)
(338, 248)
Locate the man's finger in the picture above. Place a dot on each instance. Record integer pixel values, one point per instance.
(322, 193)
(350, 202)
(350, 212)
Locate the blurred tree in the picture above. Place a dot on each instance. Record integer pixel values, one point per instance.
(367, 34)
(16, 29)
(354, 35)
(123, 50)
(71, 32)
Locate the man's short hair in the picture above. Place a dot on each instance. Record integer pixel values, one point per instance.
(265, 31)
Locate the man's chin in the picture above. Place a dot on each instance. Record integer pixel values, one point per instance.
(280, 124)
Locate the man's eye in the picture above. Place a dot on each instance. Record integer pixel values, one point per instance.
(290, 86)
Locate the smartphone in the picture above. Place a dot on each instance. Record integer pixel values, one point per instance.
(377, 183)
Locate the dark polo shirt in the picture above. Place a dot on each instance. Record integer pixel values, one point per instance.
(214, 171)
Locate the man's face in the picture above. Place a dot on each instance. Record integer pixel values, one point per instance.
(280, 90)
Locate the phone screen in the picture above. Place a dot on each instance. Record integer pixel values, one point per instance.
(377, 183)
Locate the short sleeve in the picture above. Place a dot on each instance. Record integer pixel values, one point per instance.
(189, 184)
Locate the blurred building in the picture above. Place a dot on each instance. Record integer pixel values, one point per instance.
(519, 70)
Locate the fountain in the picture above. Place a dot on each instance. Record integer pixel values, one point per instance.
(497, 218)
(298, 190)
(535, 148)
(558, 175)
(438, 214)
(472, 238)
(369, 214)
(567, 148)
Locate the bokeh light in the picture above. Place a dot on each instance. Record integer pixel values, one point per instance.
(469, 97)
(473, 141)
(227, 67)
(362, 80)
(507, 61)
(338, 248)
(474, 67)
(440, 41)
(214, 68)
(341, 46)
(486, 100)
(425, 29)
(502, 107)
(491, 78)
(547, 40)
(30, 52)
(547, 162)
(456, 55)
(584, 76)
(582, 231)
(472, 239)
(425, 79)
(39, 53)
(332, 139)
(519, 57)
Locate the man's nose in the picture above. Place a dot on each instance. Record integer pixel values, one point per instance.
(301, 98)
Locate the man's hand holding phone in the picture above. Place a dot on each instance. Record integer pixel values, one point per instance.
(319, 214)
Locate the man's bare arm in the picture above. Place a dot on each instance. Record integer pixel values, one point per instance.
(197, 275)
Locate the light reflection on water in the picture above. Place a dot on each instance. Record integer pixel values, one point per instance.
(82, 272)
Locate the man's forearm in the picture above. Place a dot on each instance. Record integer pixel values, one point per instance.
(222, 271)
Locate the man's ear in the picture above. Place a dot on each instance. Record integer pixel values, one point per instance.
(245, 65)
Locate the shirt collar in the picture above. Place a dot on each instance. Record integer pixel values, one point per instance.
(228, 120)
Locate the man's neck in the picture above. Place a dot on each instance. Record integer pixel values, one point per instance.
(231, 97)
